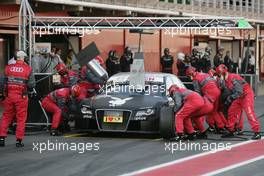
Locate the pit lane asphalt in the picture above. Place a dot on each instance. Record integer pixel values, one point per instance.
(118, 154)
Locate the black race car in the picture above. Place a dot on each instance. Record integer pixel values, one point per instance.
(122, 107)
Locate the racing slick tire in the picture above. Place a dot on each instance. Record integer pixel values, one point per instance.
(167, 122)
(81, 123)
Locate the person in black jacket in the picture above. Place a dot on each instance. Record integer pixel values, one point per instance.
(194, 58)
(126, 60)
(207, 59)
(112, 63)
(166, 61)
(218, 57)
(228, 61)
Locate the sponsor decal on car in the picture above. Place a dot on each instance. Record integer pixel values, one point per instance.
(118, 101)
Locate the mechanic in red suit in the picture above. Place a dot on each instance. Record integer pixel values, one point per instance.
(206, 86)
(189, 105)
(212, 73)
(68, 77)
(19, 82)
(225, 92)
(89, 81)
(223, 109)
(241, 98)
(56, 103)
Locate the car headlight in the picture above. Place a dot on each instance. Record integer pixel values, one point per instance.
(145, 112)
(86, 110)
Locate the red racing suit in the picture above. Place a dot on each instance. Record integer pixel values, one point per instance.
(55, 103)
(243, 99)
(70, 79)
(189, 105)
(207, 86)
(240, 121)
(88, 83)
(18, 80)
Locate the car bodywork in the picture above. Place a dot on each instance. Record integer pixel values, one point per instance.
(120, 108)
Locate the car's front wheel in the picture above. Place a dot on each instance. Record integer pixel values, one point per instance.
(167, 122)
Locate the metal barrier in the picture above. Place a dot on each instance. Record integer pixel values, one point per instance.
(35, 113)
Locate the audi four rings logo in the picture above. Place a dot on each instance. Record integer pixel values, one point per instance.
(16, 69)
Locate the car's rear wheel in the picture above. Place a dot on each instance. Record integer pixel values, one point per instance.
(167, 122)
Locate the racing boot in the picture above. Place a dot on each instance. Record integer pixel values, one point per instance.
(19, 143)
(54, 132)
(179, 137)
(2, 142)
(256, 136)
(191, 137)
(239, 132)
(202, 135)
(228, 134)
(210, 129)
(220, 131)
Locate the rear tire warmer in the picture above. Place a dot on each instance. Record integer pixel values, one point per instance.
(167, 122)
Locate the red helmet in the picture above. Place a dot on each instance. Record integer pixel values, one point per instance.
(212, 72)
(173, 88)
(61, 68)
(221, 69)
(76, 90)
(190, 71)
(100, 60)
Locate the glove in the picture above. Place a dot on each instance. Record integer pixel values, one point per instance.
(228, 101)
(65, 115)
(2, 97)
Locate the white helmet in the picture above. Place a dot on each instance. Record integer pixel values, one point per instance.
(21, 54)
(181, 56)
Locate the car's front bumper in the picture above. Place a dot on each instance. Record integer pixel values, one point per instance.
(130, 122)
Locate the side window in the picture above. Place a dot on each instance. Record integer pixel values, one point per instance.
(177, 81)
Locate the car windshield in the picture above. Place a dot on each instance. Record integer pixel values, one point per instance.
(151, 88)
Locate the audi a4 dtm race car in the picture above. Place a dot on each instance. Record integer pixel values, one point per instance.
(122, 107)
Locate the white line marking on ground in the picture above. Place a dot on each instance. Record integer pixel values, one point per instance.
(184, 159)
(234, 166)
